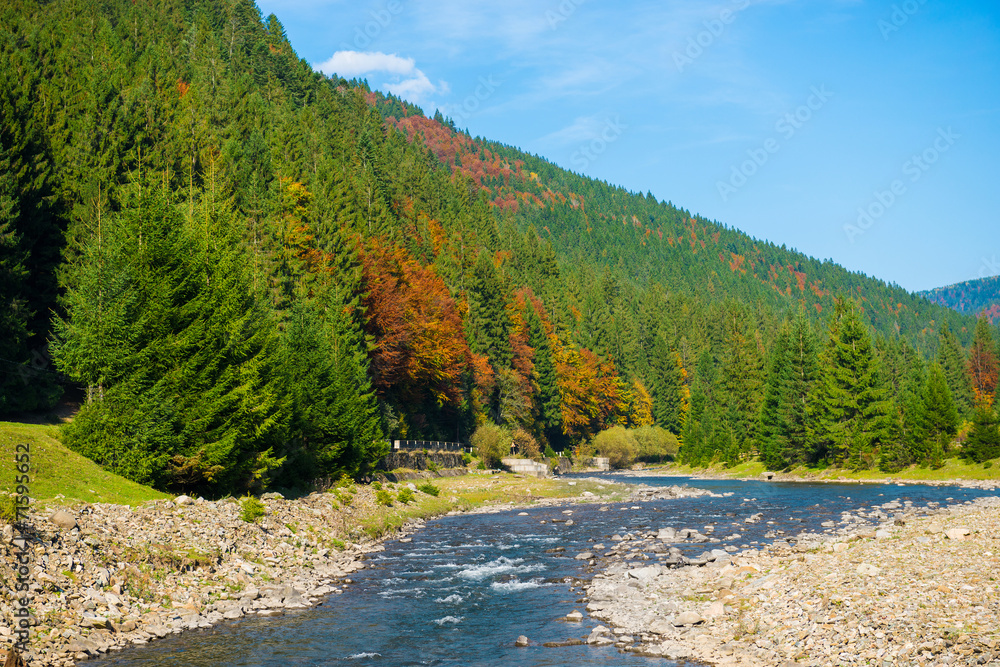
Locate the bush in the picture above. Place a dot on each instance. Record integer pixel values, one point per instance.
(466, 458)
(405, 496)
(429, 489)
(383, 497)
(618, 445)
(251, 509)
(654, 444)
(433, 467)
(549, 452)
(527, 446)
(492, 443)
(8, 508)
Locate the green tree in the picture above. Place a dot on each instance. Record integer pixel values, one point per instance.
(854, 409)
(940, 417)
(983, 442)
(952, 360)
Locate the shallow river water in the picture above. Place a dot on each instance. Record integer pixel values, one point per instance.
(466, 586)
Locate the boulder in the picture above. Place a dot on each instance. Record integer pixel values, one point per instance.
(688, 618)
(574, 616)
(63, 519)
(183, 500)
(586, 555)
(521, 641)
(956, 533)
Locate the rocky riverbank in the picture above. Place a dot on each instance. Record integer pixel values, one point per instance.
(920, 587)
(106, 576)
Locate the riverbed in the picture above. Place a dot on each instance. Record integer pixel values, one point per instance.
(463, 589)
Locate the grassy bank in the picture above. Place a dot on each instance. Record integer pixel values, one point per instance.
(953, 469)
(55, 470)
(476, 490)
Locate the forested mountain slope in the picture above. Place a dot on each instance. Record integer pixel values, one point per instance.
(973, 297)
(258, 273)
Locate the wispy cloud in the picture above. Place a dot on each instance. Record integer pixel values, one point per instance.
(407, 81)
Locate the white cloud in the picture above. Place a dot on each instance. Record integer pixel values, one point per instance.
(357, 63)
(406, 80)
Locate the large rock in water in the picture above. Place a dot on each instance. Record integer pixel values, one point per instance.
(521, 641)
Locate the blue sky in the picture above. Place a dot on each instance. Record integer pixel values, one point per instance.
(864, 132)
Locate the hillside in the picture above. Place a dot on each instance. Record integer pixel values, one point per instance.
(973, 297)
(257, 273)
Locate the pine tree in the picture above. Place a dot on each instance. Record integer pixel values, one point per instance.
(983, 442)
(940, 418)
(546, 382)
(743, 381)
(952, 360)
(796, 414)
(771, 424)
(671, 396)
(854, 410)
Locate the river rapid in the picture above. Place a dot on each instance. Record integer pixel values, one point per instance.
(464, 588)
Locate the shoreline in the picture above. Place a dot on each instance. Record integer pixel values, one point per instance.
(109, 576)
(966, 483)
(912, 589)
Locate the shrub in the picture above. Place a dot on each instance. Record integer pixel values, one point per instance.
(405, 496)
(527, 446)
(492, 443)
(429, 489)
(655, 444)
(433, 467)
(8, 508)
(466, 458)
(618, 444)
(377, 485)
(251, 509)
(383, 497)
(549, 452)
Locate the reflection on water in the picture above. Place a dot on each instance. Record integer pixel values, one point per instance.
(465, 587)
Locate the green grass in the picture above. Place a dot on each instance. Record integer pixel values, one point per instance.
(953, 469)
(56, 470)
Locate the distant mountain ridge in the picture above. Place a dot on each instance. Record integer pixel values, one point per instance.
(972, 297)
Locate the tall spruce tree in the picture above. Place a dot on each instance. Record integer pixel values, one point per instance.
(940, 418)
(772, 426)
(953, 362)
(854, 420)
(796, 410)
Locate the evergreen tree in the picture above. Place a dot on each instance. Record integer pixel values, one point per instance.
(772, 427)
(545, 379)
(940, 418)
(952, 360)
(670, 391)
(854, 420)
(983, 442)
(743, 382)
(796, 414)
(334, 423)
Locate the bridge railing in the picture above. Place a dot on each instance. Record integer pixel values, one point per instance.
(430, 445)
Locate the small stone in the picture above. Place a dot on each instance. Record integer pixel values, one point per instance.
(586, 555)
(957, 533)
(521, 641)
(574, 616)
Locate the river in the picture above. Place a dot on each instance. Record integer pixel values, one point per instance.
(466, 586)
